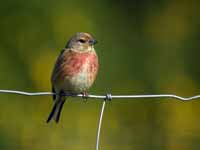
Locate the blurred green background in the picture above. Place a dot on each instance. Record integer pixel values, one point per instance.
(144, 47)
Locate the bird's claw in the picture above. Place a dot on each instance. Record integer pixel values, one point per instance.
(62, 93)
(84, 96)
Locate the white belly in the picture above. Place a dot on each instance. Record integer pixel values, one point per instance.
(78, 83)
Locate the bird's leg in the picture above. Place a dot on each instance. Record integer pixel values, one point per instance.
(84, 96)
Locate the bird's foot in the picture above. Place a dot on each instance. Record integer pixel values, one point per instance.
(84, 96)
(62, 93)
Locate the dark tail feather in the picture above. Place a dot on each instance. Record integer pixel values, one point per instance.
(57, 114)
(56, 111)
(52, 112)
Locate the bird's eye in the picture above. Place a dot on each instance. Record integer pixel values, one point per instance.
(82, 41)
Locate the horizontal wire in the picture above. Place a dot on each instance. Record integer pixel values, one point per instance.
(107, 96)
(104, 97)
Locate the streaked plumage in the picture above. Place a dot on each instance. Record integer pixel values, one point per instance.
(75, 70)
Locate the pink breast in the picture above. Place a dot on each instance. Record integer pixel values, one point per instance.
(76, 61)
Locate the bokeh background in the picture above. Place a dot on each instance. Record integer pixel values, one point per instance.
(144, 47)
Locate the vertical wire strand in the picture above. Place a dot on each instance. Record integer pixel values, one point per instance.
(99, 126)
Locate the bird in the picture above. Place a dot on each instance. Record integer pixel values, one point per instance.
(74, 72)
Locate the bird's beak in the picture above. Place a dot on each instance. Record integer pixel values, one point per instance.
(93, 42)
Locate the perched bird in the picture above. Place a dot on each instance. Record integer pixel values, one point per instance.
(74, 72)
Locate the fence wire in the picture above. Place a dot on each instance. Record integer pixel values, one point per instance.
(104, 98)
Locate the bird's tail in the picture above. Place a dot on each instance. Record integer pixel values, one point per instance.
(56, 110)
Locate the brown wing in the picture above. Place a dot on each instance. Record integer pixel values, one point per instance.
(55, 70)
(57, 65)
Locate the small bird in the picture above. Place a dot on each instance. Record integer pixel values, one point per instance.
(74, 72)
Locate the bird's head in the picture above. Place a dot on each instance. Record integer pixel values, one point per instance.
(81, 42)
